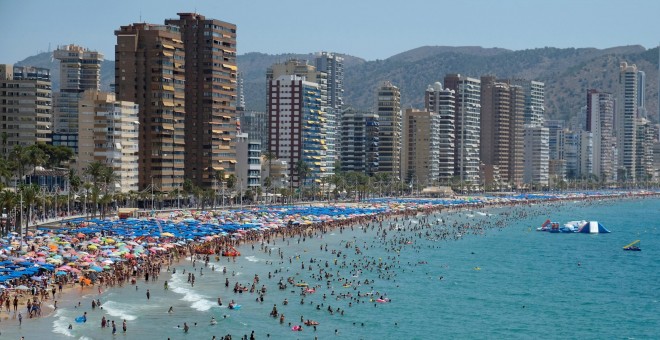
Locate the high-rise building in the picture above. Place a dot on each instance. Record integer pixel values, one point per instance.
(359, 141)
(80, 70)
(442, 102)
(333, 65)
(600, 121)
(468, 126)
(644, 150)
(255, 124)
(556, 138)
(536, 155)
(419, 155)
(149, 71)
(516, 136)
(534, 100)
(626, 117)
(210, 95)
(495, 130)
(296, 126)
(641, 94)
(309, 73)
(108, 133)
(25, 106)
(240, 94)
(248, 166)
(389, 125)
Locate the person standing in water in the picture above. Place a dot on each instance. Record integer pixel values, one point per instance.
(124, 326)
(148, 294)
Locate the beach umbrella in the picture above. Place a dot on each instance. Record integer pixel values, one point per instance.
(22, 287)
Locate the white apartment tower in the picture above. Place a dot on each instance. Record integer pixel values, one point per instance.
(108, 130)
(80, 70)
(600, 121)
(537, 156)
(442, 102)
(626, 117)
(467, 92)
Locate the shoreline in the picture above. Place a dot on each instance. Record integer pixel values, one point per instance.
(68, 295)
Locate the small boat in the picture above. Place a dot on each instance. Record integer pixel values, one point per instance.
(634, 246)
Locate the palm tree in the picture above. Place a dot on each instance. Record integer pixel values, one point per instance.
(188, 188)
(30, 195)
(36, 156)
(220, 176)
(270, 156)
(303, 170)
(8, 201)
(109, 178)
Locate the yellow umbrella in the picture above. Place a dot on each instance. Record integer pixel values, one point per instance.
(167, 234)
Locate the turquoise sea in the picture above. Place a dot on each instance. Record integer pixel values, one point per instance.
(500, 278)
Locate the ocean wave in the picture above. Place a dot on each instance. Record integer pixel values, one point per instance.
(252, 258)
(61, 324)
(198, 302)
(119, 310)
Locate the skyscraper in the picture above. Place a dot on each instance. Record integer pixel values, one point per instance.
(536, 155)
(25, 106)
(468, 126)
(80, 70)
(641, 94)
(419, 156)
(309, 73)
(442, 102)
(210, 95)
(149, 70)
(495, 131)
(255, 124)
(644, 150)
(295, 125)
(516, 137)
(626, 117)
(389, 134)
(359, 141)
(600, 121)
(109, 134)
(534, 100)
(333, 66)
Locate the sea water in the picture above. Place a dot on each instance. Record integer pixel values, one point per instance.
(505, 281)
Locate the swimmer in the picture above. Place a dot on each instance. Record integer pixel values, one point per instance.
(213, 321)
(171, 310)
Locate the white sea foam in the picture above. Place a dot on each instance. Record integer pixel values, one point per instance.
(198, 302)
(119, 310)
(252, 258)
(61, 324)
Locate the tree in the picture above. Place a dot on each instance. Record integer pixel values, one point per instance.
(231, 181)
(303, 170)
(30, 195)
(109, 178)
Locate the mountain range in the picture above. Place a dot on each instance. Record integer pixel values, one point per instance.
(566, 72)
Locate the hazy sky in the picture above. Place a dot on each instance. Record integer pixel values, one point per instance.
(371, 29)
